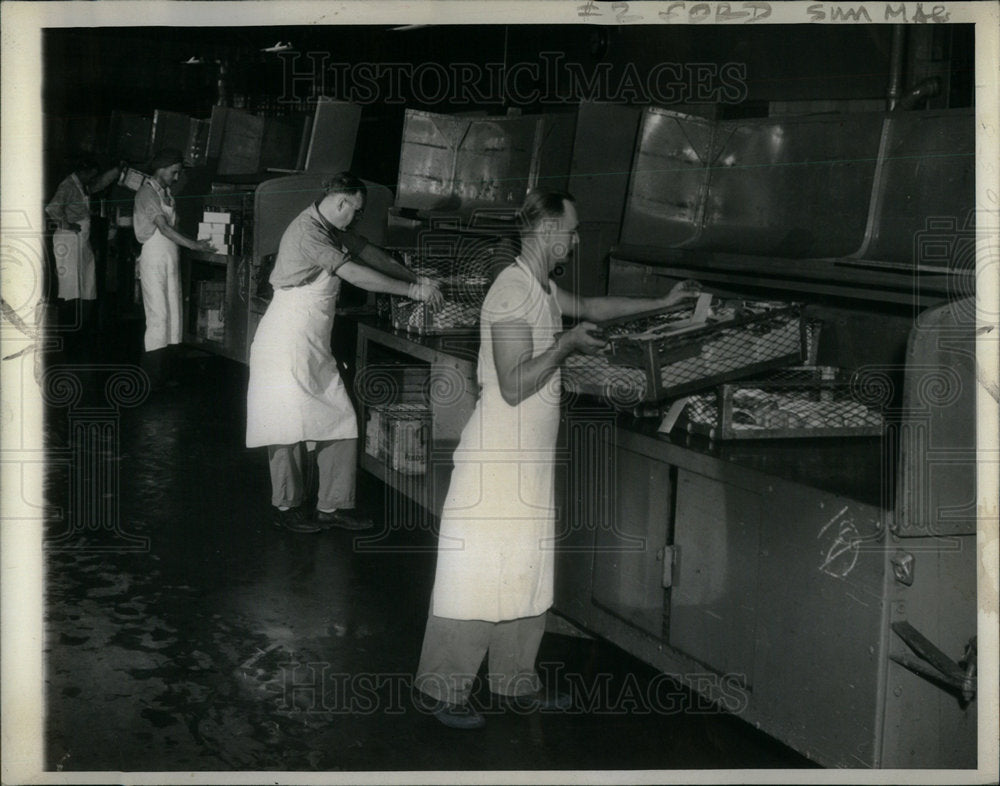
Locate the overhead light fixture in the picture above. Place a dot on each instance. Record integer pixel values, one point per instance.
(279, 46)
(407, 27)
(194, 60)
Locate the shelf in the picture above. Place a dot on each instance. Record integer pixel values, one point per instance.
(427, 490)
(215, 259)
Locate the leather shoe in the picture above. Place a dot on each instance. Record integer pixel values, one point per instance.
(454, 716)
(343, 519)
(539, 700)
(293, 521)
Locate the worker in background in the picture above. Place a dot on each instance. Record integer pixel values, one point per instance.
(494, 577)
(295, 394)
(154, 221)
(70, 208)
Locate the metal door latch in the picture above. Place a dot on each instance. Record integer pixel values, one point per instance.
(667, 555)
(932, 664)
(903, 564)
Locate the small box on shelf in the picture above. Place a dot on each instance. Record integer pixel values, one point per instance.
(211, 311)
(398, 435)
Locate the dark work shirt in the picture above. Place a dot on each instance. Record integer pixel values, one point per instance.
(310, 245)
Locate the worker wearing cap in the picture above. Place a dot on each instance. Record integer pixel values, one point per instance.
(295, 395)
(154, 222)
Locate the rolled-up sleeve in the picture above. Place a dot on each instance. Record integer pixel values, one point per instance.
(146, 208)
(353, 242)
(316, 248)
(69, 204)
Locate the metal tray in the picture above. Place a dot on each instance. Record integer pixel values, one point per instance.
(807, 401)
(695, 357)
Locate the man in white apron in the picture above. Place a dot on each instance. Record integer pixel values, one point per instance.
(70, 209)
(154, 219)
(494, 577)
(295, 393)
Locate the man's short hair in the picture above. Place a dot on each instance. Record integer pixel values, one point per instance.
(343, 183)
(541, 205)
(164, 158)
(84, 163)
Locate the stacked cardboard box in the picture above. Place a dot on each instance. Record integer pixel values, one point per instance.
(222, 228)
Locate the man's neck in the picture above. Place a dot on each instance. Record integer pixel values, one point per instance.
(534, 260)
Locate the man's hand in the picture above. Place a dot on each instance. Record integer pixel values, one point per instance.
(585, 338)
(426, 293)
(204, 245)
(682, 291)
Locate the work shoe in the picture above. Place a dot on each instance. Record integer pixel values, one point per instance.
(346, 518)
(293, 521)
(539, 700)
(454, 716)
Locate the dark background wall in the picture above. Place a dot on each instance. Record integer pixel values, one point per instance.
(88, 73)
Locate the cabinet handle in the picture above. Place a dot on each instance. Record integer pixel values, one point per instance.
(667, 555)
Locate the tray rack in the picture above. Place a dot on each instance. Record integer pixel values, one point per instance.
(807, 401)
(463, 302)
(464, 286)
(633, 371)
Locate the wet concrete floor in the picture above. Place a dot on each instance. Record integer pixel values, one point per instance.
(184, 632)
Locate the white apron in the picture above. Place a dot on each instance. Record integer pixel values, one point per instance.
(295, 392)
(75, 269)
(495, 554)
(160, 278)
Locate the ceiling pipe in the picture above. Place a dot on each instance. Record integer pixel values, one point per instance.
(896, 67)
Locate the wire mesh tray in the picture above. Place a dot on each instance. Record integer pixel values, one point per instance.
(808, 401)
(458, 314)
(661, 354)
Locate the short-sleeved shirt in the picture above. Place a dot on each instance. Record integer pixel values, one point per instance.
(310, 245)
(70, 203)
(151, 200)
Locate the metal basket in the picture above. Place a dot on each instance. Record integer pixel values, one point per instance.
(810, 401)
(459, 313)
(664, 364)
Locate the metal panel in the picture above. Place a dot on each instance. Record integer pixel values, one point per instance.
(669, 180)
(628, 550)
(334, 133)
(712, 602)
(927, 174)
(936, 493)
(792, 187)
(819, 637)
(602, 158)
(239, 152)
(457, 164)
(925, 724)
(129, 138)
(170, 129)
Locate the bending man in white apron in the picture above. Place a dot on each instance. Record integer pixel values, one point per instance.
(295, 393)
(154, 220)
(494, 579)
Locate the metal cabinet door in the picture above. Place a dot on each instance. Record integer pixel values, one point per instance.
(714, 586)
(629, 543)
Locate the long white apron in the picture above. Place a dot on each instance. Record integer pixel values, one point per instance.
(160, 278)
(295, 392)
(75, 269)
(495, 554)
